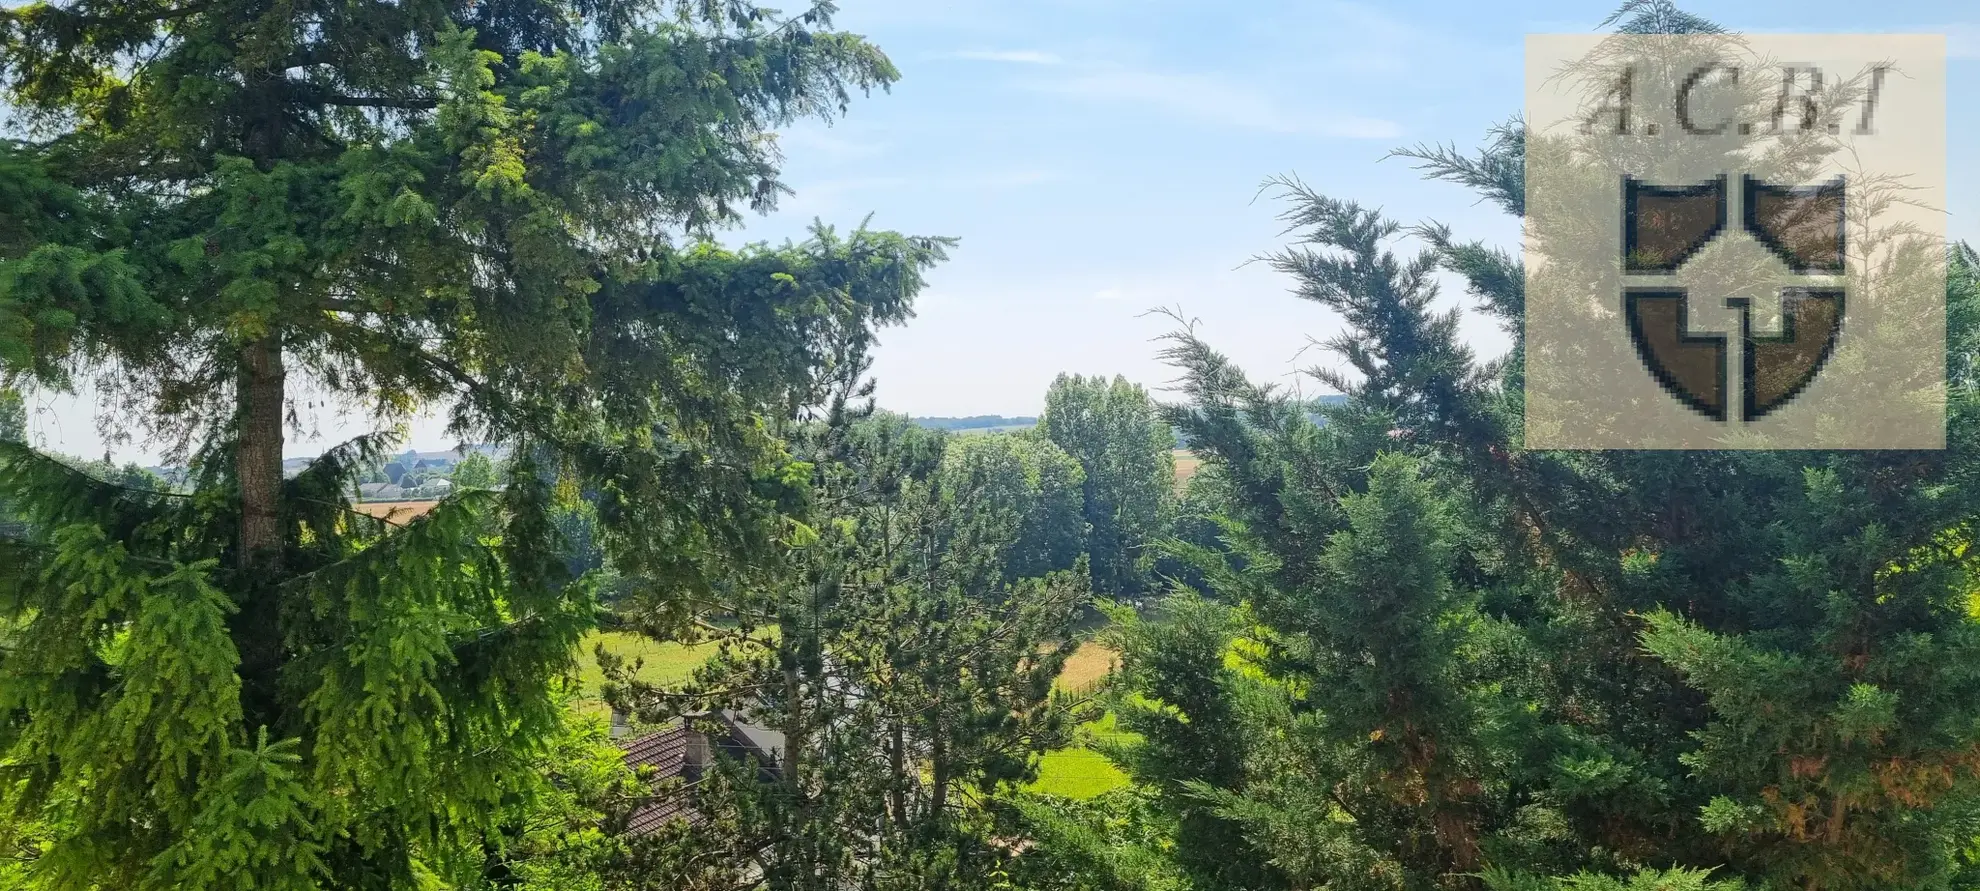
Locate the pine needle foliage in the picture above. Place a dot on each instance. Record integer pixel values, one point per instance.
(1430, 659)
(421, 669)
(909, 675)
(504, 211)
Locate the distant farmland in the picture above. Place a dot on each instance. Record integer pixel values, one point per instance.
(395, 511)
(978, 423)
(1003, 428)
(1186, 466)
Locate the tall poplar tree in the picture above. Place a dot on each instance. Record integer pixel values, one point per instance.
(1022, 495)
(1112, 429)
(217, 206)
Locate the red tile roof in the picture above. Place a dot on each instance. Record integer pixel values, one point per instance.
(666, 806)
(665, 751)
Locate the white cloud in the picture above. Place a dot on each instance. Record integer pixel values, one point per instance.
(1213, 98)
(835, 187)
(1109, 294)
(835, 195)
(1005, 179)
(1357, 127)
(1013, 57)
(1963, 41)
(1363, 43)
(1371, 40)
(813, 199)
(815, 139)
(947, 15)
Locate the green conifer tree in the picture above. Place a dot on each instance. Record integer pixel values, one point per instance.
(493, 208)
(1619, 669)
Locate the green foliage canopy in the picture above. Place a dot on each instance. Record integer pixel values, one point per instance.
(910, 678)
(1435, 660)
(496, 208)
(1111, 428)
(475, 471)
(1022, 497)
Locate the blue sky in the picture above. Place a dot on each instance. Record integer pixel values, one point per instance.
(1100, 158)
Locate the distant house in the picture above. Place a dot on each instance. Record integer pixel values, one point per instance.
(430, 489)
(380, 492)
(176, 478)
(674, 760)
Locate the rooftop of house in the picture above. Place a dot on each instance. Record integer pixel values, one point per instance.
(668, 753)
(681, 752)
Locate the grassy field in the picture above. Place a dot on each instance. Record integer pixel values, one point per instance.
(1085, 668)
(660, 663)
(1076, 772)
(1080, 771)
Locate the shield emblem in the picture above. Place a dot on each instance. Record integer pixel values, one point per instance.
(1803, 227)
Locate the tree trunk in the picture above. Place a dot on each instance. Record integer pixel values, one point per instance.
(938, 756)
(800, 859)
(257, 631)
(897, 756)
(258, 454)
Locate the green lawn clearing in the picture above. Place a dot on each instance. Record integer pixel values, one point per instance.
(1076, 772)
(659, 663)
(1079, 771)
